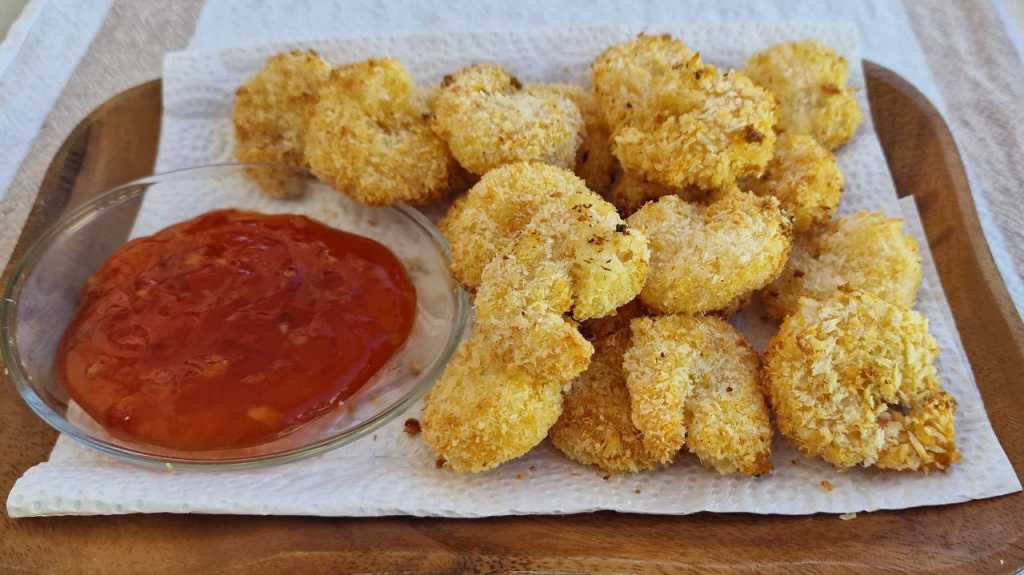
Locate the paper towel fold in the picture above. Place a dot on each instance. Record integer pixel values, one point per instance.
(392, 473)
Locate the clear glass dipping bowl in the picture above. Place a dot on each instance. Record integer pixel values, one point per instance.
(42, 296)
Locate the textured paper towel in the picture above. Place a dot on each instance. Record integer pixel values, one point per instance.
(391, 473)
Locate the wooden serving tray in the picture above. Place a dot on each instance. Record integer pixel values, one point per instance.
(118, 142)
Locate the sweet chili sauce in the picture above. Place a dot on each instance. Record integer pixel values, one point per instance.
(230, 328)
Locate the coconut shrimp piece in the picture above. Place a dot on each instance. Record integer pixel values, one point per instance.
(271, 113)
(693, 381)
(370, 137)
(866, 251)
(808, 80)
(805, 177)
(852, 379)
(627, 74)
(631, 191)
(482, 413)
(595, 427)
(485, 222)
(594, 161)
(705, 258)
(489, 119)
(703, 129)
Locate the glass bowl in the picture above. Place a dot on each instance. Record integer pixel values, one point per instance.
(42, 296)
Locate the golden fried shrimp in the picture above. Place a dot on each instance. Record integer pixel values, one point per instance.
(370, 137)
(627, 74)
(595, 427)
(805, 178)
(808, 80)
(594, 160)
(271, 113)
(481, 412)
(631, 191)
(489, 119)
(704, 258)
(705, 129)
(866, 251)
(693, 380)
(486, 221)
(852, 379)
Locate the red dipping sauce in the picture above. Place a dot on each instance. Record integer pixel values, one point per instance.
(228, 329)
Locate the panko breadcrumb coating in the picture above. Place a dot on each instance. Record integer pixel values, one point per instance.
(486, 221)
(805, 178)
(595, 427)
(370, 137)
(594, 160)
(694, 380)
(631, 191)
(866, 251)
(481, 413)
(852, 379)
(489, 119)
(705, 257)
(271, 113)
(705, 129)
(808, 80)
(627, 74)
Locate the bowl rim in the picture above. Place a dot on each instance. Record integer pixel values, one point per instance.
(130, 190)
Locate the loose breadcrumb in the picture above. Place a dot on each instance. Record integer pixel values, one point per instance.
(271, 114)
(852, 379)
(489, 119)
(694, 380)
(705, 258)
(370, 137)
(805, 178)
(808, 80)
(595, 427)
(866, 251)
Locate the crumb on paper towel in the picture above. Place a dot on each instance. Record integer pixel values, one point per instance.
(827, 486)
(412, 427)
(848, 516)
(440, 462)
(519, 476)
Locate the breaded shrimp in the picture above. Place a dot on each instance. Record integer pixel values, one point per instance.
(704, 129)
(866, 251)
(594, 160)
(693, 380)
(852, 379)
(627, 74)
(271, 114)
(489, 119)
(595, 427)
(631, 191)
(370, 137)
(486, 221)
(805, 178)
(808, 80)
(482, 413)
(704, 258)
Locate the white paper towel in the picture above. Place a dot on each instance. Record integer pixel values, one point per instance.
(391, 473)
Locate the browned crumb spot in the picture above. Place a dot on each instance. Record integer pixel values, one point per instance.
(827, 485)
(519, 476)
(830, 89)
(412, 427)
(752, 135)
(440, 462)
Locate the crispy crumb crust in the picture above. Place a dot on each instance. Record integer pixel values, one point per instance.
(704, 258)
(808, 80)
(489, 119)
(852, 379)
(865, 251)
(693, 381)
(595, 427)
(271, 114)
(805, 178)
(370, 137)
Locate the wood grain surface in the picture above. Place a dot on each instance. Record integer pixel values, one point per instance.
(118, 143)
